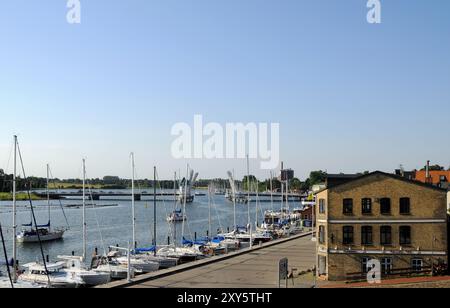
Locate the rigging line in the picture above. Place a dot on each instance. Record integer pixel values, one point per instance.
(60, 203)
(6, 257)
(96, 218)
(217, 213)
(9, 158)
(169, 230)
(33, 216)
(6, 171)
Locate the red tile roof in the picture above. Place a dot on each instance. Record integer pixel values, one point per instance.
(435, 177)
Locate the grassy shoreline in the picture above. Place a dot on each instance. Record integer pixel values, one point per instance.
(19, 197)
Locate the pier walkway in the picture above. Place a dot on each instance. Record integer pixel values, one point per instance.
(257, 268)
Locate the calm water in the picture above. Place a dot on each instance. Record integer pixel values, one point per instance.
(112, 225)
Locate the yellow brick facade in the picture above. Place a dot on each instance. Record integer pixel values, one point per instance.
(427, 220)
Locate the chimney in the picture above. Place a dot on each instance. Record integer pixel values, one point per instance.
(427, 172)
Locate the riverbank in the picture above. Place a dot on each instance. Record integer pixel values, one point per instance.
(19, 197)
(80, 186)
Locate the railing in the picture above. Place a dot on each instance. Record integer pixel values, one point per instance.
(392, 273)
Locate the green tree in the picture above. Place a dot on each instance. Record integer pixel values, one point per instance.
(295, 184)
(253, 180)
(434, 168)
(317, 177)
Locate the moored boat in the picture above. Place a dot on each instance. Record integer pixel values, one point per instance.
(52, 275)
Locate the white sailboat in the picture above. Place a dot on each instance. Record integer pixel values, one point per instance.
(74, 265)
(52, 274)
(17, 282)
(142, 264)
(176, 216)
(182, 254)
(108, 264)
(46, 233)
(150, 254)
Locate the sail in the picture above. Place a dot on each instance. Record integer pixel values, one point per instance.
(191, 243)
(143, 250)
(44, 226)
(10, 262)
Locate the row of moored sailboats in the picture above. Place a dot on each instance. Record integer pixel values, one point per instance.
(124, 263)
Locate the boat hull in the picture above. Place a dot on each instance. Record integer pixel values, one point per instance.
(55, 282)
(53, 236)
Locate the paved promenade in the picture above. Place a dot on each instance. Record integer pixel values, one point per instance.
(252, 269)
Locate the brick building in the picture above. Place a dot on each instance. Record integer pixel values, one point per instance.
(400, 222)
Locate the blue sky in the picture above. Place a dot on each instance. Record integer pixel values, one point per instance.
(349, 96)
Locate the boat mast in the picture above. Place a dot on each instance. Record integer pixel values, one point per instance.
(154, 209)
(248, 191)
(287, 194)
(175, 209)
(257, 203)
(184, 202)
(133, 201)
(209, 211)
(15, 213)
(233, 191)
(271, 195)
(84, 212)
(48, 195)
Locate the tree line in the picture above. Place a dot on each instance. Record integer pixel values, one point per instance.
(113, 182)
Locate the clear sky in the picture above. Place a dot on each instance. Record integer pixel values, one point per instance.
(349, 96)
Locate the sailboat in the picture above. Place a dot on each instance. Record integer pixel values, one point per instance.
(46, 233)
(186, 253)
(52, 274)
(150, 254)
(8, 282)
(74, 265)
(176, 216)
(36, 274)
(140, 263)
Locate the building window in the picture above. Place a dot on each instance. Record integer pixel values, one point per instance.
(385, 206)
(347, 235)
(386, 266)
(405, 235)
(417, 265)
(386, 235)
(321, 234)
(405, 206)
(348, 206)
(322, 206)
(364, 265)
(366, 235)
(366, 206)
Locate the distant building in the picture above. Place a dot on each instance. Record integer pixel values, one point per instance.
(437, 178)
(399, 222)
(306, 213)
(410, 175)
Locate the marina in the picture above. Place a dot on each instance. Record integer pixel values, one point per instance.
(47, 257)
